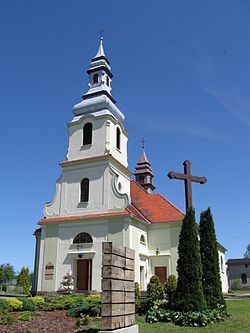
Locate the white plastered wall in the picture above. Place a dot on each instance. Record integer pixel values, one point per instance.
(68, 252)
(109, 190)
(223, 271)
(103, 138)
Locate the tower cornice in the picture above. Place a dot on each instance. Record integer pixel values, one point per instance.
(106, 157)
(98, 102)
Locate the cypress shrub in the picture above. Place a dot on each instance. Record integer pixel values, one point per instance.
(23, 280)
(137, 296)
(170, 288)
(189, 294)
(211, 281)
(154, 288)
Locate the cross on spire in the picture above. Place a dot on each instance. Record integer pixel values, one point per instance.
(188, 179)
(143, 143)
(101, 33)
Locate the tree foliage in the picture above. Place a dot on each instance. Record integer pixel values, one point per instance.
(7, 273)
(23, 280)
(68, 281)
(189, 294)
(211, 282)
(137, 294)
(247, 253)
(170, 288)
(154, 288)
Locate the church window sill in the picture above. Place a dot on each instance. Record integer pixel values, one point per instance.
(82, 204)
(85, 147)
(118, 150)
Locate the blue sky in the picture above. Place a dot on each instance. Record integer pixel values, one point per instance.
(181, 77)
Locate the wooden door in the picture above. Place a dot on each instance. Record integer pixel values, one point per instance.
(84, 274)
(161, 272)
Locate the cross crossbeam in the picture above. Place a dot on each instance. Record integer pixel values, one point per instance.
(188, 179)
(143, 142)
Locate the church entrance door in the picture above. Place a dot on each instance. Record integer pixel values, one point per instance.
(84, 274)
(161, 272)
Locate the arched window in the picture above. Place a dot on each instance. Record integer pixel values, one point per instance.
(118, 138)
(87, 134)
(85, 190)
(141, 179)
(95, 78)
(142, 239)
(82, 238)
(107, 81)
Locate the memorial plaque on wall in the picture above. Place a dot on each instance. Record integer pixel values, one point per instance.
(49, 271)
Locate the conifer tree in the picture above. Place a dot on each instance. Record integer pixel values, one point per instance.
(23, 280)
(211, 282)
(189, 294)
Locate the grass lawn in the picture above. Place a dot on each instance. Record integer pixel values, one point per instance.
(239, 322)
(242, 291)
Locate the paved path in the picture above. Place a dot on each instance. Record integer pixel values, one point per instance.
(242, 296)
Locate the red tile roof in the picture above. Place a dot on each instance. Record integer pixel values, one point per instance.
(153, 207)
(145, 206)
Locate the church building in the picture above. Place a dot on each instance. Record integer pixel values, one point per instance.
(97, 200)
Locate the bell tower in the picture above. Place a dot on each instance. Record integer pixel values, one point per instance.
(143, 173)
(95, 178)
(100, 76)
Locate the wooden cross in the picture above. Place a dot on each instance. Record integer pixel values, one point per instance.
(188, 179)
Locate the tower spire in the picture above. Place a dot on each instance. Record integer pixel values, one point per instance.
(143, 172)
(100, 75)
(100, 52)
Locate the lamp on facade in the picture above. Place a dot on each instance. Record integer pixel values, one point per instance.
(157, 251)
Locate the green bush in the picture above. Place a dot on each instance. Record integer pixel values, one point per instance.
(137, 296)
(29, 304)
(236, 285)
(189, 293)
(170, 288)
(3, 305)
(154, 288)
(82, 323)
(14, 304)
(85, 307)
(64, 302)
(92, 298)
(211, 281)
(192, 319)
(23, 280)
(4, 287)
(39, 301)
(156, 314)
(6, 319)
(51, 296)
(25, 316)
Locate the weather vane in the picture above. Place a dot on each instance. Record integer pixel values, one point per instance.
(143, 143)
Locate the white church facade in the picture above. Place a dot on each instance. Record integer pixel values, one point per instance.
(96, 201)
